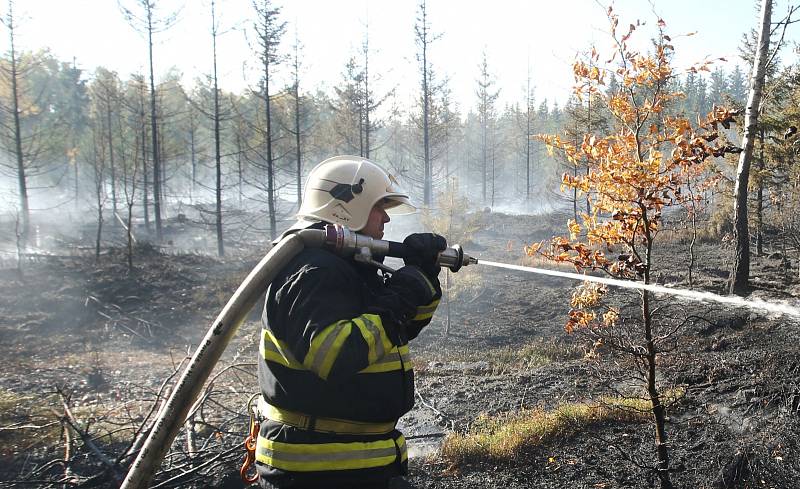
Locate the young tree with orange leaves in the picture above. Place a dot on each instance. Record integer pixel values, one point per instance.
(634, 173)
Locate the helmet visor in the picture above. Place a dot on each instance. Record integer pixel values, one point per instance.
(398, 205)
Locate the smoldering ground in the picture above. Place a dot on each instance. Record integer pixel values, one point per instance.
(108, 340)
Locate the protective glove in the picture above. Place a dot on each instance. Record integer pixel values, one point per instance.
(425, 249)
(410, 294)
(415, 286)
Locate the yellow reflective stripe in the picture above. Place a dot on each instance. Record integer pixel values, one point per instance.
(425, 312)
(327, 344)
(325, 348)
(371, 328)
(401, 444)
(430, 307)
(277, 351)
(369, 338)
(429, 283)
(391, 361)
(307, 457)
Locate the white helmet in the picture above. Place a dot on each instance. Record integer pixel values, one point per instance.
(343, 190)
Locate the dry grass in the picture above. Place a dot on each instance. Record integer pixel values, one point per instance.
(26, 422)
(504, 437)
(545, 351)
(706, 234)
(710, 228)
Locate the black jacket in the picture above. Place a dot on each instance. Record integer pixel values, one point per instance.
(334, 344)
(313, 292)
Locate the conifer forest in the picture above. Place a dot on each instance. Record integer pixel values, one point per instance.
(633, 318)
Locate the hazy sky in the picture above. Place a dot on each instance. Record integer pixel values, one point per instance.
(546, 33)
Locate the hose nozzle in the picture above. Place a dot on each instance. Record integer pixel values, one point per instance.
(454, 258)
(346, 243)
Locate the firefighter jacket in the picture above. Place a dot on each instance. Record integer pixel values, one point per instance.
(335, 374)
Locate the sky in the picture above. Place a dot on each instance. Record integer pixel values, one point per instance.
(540, 37)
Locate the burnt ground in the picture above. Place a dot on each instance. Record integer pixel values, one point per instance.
(88, 331)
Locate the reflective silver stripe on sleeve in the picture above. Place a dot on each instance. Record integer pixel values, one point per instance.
(389, 358)
(320, 355)
(376, 333)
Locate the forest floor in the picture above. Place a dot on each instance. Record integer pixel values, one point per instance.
(89, 334)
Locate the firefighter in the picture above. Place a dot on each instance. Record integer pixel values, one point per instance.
(334, 367)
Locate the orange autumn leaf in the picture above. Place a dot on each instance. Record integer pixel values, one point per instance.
(634, 171)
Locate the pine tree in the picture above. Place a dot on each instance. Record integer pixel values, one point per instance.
(269, 31)
(147, 19)
(216, 118)
(737, 86)
(487, 113)
(690, 93)
(74, 106)
(703, 105)
(30, 128)
(719, 87)
(424, 37)
(348, 110)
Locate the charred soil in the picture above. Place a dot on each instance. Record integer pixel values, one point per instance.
(105, 341)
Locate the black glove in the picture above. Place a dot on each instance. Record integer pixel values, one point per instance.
(415, 286)
(425, 249)
(408, 291)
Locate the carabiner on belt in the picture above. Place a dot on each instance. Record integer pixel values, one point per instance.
(250, 445)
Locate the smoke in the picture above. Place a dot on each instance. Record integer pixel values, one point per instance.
(9, 196)
(401, 226)
(537, 207)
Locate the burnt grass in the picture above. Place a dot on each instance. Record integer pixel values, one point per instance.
(109, 339)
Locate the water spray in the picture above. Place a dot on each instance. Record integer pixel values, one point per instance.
(660, 289)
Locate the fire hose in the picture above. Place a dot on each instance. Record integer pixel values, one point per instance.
(333, 237)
